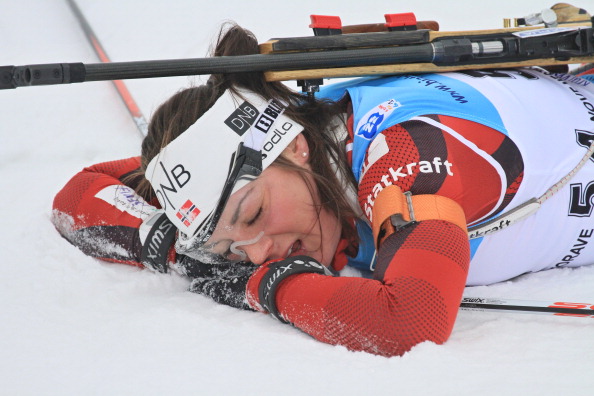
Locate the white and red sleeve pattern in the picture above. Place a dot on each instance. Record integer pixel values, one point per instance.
(476, 166)
(101, 215)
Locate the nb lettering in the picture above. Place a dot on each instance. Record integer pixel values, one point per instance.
(177, 178)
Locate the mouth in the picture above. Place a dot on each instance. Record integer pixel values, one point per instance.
(295, 248)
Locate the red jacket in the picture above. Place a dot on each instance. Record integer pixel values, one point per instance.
(421, 272)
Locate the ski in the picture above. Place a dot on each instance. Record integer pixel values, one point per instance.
(557, 308)
(349, 55)
(119, 85)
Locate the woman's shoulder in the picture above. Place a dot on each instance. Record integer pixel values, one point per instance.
(115, 167)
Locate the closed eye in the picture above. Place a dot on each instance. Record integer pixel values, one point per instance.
(253, 220)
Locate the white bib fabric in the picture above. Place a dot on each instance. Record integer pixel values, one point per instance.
(550, 118)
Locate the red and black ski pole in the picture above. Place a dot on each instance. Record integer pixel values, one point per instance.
(123, 92)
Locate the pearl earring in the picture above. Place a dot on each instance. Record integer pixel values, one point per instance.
(304, 154)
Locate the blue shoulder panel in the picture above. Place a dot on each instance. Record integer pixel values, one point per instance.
(379, 103)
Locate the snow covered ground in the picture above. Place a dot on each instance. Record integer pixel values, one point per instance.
(71, 325)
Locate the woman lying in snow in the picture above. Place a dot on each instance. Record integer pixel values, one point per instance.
(423, 183)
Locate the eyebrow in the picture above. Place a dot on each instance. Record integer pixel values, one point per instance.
(238, 209)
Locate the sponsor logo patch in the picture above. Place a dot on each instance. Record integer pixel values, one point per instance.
(125, 199)
(242, 118)
(395, 175)
(269, 116)
(370, 123)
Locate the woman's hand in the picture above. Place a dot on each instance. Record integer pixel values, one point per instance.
(224, 283)
(262, 286)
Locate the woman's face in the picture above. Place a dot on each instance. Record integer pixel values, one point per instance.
(278, 215)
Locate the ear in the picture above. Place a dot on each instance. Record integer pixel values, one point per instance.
(298, 151)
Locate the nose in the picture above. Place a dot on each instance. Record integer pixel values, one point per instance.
(259, 252)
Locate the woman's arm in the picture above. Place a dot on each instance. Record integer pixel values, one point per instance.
(99, 214)
(422, 268)
(415, 296)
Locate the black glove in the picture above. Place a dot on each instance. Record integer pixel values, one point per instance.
(224, 283)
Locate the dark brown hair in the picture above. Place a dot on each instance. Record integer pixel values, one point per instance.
(179, 112)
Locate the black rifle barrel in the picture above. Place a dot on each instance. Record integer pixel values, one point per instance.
(257, 62)
(66, 73)
(478, 50)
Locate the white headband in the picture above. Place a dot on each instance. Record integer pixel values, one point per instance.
(189, 174)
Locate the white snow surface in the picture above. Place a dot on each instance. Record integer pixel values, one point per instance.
(72, 325)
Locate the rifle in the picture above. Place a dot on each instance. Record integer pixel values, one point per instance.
(405, 47)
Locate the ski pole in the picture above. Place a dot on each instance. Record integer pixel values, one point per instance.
(523, 306)
(123, 92)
